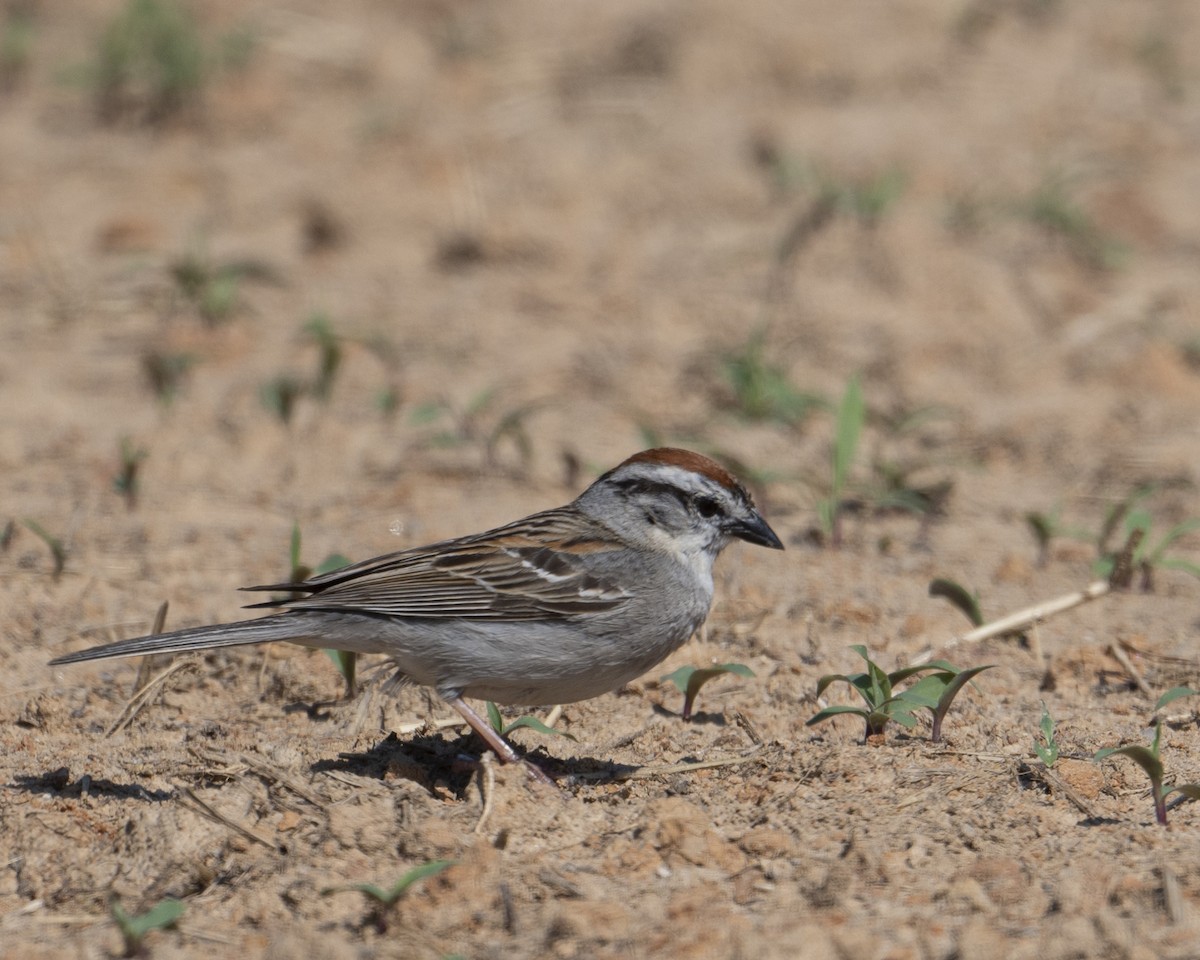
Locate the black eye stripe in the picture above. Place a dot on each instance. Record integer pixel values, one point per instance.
(704, 504)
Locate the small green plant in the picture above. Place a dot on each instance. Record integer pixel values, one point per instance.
(16, 45)
(214, 288)
(532, 723)
(867, 201)
(165, 372)
(960, 597)
(689, 680)
(126, 481)
(1047, 748)
(883, 704)
(1149, 555)
(151, 63)
(280, 394)
(936, 692)
(134, 928)
(384, 899)
(1052, 208)
(1046, 527)
(330, 347)
(345, 660)
(1148, 759)
(1173, 694)
(851, 414)
(58, 550)
(478, 422)
(762, 390)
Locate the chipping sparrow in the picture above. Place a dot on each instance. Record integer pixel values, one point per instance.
(558, 607)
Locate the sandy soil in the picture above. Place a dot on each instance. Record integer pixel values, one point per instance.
(541, 233)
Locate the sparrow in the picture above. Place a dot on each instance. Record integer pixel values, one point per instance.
(561, 606)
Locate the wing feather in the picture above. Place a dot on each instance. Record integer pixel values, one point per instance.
(534, 569)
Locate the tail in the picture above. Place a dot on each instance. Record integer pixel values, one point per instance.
(264, 630)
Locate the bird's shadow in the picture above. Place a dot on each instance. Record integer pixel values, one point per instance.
(711, 719)
(60, 784)
(433, 762)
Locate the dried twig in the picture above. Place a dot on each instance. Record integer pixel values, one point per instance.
(487, 787)
(220, 818)
(660, 770)
(135, 704)
(1023, 618)
(1118, 654)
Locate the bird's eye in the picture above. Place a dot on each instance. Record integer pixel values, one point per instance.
(707, 507)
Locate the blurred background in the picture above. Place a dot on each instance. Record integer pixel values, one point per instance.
(286, 258)
(281, 281)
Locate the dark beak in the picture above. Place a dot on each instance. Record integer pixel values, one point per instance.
(754, 529)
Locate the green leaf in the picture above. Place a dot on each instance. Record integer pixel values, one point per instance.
(691, 679)
(134, 929)
(389, 896)
(1174, 693)
(850, 416)
(1177, 563)
(958, 595)
(298, 573)
(834, 711)
(1177, 531)
(335, 561)
(927, 691)
(680, 678)
(494, 718)
(1144, 757)
(533, 723)
(57, 551)
(1189, 790)
(346, 662)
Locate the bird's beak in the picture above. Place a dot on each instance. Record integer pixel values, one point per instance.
(754, 529)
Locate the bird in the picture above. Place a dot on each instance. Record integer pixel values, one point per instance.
(560, 606)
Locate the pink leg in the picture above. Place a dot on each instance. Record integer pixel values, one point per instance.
(498, 744)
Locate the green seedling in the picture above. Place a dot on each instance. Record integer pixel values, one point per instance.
(1052, 208)
(1047, 749)
(345, 660)
(16, 45)
(1173, 694)
(134, 928)
(319, 328)
(126, 481)
(280, 396)
(387, 400)
(214, 289)
(936, 692)
(532, 723)
(1148, 555)
(384, 899)
(851, 414)
(476, 423)
(867, 201)
(762, 390)
(6, 534)
(891, 486)
(57, 550)
(689, 680)
(151, 64)
(877, 689)
(165, 372)
(960, 597)
(1148, 759)
(1159, 56)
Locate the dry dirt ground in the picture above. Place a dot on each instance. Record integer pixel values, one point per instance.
(543, 235)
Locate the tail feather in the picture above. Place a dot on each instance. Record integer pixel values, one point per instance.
(238, 634)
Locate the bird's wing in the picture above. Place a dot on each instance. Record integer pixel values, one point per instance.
(534, 569)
